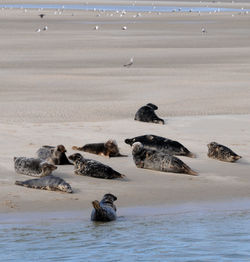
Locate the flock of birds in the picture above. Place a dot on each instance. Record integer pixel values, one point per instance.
(148, 151)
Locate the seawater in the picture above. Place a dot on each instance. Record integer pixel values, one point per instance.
(155, 235)
(131, 8)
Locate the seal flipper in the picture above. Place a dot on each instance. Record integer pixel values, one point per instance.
(96, 205)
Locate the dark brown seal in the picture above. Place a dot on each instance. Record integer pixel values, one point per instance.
(105, 210)
(110, 149)
(54, 155)
(154, 160)
(33, 167)
(161, 144)
(222, 153)
(52, 183)
(93, 168)
(147, 114)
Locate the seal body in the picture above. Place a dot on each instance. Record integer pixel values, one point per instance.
(93, 168)
(52, 183)
(109, 149)
(154, 160)
(105, 210)
(54, 155)
(147, 114)
(33, 167)
(222, 153)
(161, 144)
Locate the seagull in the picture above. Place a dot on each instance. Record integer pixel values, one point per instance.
(130, 63)
(124, 28)
(96, 27)
(203, 30)
(42, 15)
(45, 28)
(38, 30)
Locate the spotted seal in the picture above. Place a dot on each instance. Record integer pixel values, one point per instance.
(33, 167)
(93, 168)
(154, 160)
(110, 149)
(52, 183)
(147, 114)
(161, 144)
(54, 155)
(221, 153)
(105, 210)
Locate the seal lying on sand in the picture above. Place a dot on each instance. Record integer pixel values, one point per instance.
(154, 160)
(54, 155)
(105, 210)
(161, 144)
(33, 166)
(93, 168)
(147, 114)
(109, 149)
(52, 183)
(221, 153)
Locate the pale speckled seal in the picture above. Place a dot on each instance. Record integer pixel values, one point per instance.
(93, 168)
(221, 153)
(54, 155)
(109, 148)
(161, 144)
(105, 210)
(154, 160)
(147, 114)
(52, 183)
(33, 167)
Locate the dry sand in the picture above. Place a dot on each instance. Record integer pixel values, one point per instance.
(67, 85)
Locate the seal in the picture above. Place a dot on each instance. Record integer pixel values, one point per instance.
(54, 155)
(110, 149)
(33, 167)
(147, 114)
(93, 168)
(105, 210)
(222, 153)
(161, 144)
(154, 160)
(52, 183)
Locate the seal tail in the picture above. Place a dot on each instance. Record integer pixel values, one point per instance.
(192, 155)
(237, 157)
(19, 183)
(77, 148)
(96, 205)
(192, 172)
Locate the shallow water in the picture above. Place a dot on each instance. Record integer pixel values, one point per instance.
(131, 8)
(187, 235)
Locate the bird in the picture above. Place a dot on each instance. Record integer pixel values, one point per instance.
(42, 15)
(203, 30)
(130, 63)
(38, 30)
(45, 28)
(124, 28)
(96, 27)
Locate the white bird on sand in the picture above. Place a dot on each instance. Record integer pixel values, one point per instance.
(124, 28)
(38, 30)
(96, 27)
(130, 63)
(203, 30)
(45, 28)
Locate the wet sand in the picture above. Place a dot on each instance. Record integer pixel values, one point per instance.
(67, 85)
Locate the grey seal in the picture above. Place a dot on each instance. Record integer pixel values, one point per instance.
(54, 155)
(147, 114)
(52, 183)
(109, 148)
(33, 167)
(105, 210)
(93, 168)
(154, 160)
(162, 144)
(222, 153)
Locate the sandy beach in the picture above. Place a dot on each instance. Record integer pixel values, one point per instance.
(67, 85)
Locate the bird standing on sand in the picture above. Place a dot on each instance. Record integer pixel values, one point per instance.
(130, 63)
(203, 30)
(45, 28)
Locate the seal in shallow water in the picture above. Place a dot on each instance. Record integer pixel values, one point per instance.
(221, 153)
(161, 144)
(33, 167)
(54, 155)
(154, 160)
(52, 183)
(93, 168)
(105, 210)
(109, 149)
(147, 114)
